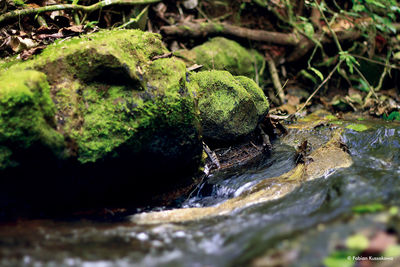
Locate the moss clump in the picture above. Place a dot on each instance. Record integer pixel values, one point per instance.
(257, 94)
(223, 54)
(26, 116)
(227, 109)
(114, 116)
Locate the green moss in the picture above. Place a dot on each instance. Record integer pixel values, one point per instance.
(116, 115)
(92, 55)
(184, 27)
(167, 73)
(110, 97)
(357, 242)
(218, 27)
(26, 114)
(222, 54)
(257, 95)
(227, 110)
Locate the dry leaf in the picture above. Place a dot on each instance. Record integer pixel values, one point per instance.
(19, 44)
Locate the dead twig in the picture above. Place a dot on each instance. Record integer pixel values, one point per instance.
(275, 78)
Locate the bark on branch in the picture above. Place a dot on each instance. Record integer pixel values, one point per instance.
(202, 29)
(104, 3)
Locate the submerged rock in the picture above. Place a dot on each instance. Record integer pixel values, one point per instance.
(95, 118)
(230, 107)
(223, 54)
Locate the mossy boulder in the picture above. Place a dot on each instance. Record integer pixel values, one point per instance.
(26, 117)
(220, 53)
(106, 116)
(230, 107)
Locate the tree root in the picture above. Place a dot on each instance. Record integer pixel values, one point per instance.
(91, 8)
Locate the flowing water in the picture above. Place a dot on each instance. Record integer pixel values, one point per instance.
(297, 229)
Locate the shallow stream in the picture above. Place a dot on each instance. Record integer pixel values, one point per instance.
(299, 229)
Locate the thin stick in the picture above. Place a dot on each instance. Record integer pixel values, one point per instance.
(275, 79)
(101, 4)
(334, 36)
(377, 62)
(319, 87)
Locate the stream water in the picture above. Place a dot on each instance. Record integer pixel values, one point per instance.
(300, 227)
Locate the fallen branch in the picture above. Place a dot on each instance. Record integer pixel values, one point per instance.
(191, 29)
(91, 8)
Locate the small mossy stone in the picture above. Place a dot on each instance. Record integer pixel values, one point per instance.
(26, 115)
(257, 94)
(220, 53)
(227, 110)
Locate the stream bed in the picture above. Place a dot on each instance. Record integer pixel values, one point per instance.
(300, 228)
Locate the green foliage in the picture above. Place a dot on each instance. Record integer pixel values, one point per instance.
(349, 59)
(19, 2)
(306, 26)
(308, 75)
(340, 258)
(383, 12)
(319, 74)
(368, 208)
(363, 85)
(91, 24)
(394, 115)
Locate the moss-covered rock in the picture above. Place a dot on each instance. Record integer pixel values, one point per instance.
(26, 116)
(258, 96)
(223, 54)
(113, 118)
(230, 107)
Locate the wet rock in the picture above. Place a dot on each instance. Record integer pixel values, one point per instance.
(230, 107)
(223, 54)
(105, 115)
(327, 156)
